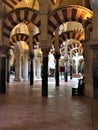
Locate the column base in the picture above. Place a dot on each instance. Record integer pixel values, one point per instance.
(18, 79)
(88, 91)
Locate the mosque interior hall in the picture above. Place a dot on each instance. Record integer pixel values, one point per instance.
(48, 65)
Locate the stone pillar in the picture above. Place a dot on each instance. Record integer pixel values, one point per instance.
(37, 63)
(66, 61)
(88, 69)
(44, 44)
(71, 67)
(3, 68)
(94, 48)
(77, 63)
(1, 31)
(18, 67)
(38, 67)
(3, 75)
(35, 66)
(66, 70)
(88, 59)
(8, 68)
(57, 56)
(31, 56)
(31, 69)
(45, 73)
(25, 66)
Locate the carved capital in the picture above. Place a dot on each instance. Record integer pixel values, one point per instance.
(31, 55)
(45, 52)
(4, 50)
(57, 55)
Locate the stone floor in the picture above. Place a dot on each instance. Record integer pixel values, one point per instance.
(23, 108)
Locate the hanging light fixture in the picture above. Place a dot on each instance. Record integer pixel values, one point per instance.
(94, 5)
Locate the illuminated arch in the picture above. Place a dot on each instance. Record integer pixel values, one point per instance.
(16, 16)
(69, 13)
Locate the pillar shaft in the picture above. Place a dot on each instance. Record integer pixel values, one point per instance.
(3, 68)
(31, 69)
(1, 31)
(8, 68)
(25, 66)
(3, 75)
(18, 68)
(44, 45)
(57, 56)
(66, 70)
(45, 74)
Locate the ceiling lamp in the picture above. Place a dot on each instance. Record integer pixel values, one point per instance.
(94, 5)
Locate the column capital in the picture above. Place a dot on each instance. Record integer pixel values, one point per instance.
(45, 52)
(4, 49)
(31, 55)
(57, 55)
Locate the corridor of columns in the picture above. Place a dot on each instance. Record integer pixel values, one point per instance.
(46, 47)
(67, 26)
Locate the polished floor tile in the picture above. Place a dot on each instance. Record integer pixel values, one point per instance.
(23, 108)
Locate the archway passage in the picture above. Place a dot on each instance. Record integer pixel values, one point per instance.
(68, 13)
(25, 15)
(76, 35)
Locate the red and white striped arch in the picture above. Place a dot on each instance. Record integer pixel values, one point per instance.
(76, 35)
(17, 38)
(75, 47)
(68, 13)
(10, 4)
(17, 16)
(76, 50)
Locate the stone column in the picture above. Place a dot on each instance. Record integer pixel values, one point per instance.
(3, 75)
(25, 66)
(66, 70)
(18, 67)
(45, 73)
(1, 28)
(31, 69)
(57, 56)
(3, 68)
(88, 59)
(8, 68)
(66, 61)
(71, 68)
(44, 44)
(38, 67)
(31, 56)
(77, 63)
(95, 69)
(37, 63)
